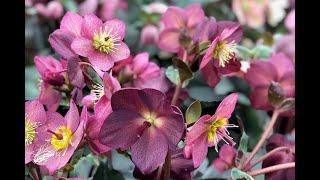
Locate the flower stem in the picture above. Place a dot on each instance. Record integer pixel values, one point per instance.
(272, 168)
(264, 136)
(176, 94)
(269, 154)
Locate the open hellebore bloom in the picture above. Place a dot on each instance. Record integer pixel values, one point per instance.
(152, 126)
(209, 130)
(278, 69)
(50, 70)
(62, 137)
(220, 57)
(61, 39)
(226, 159)
(280, 157)
(101, 42)
(179, 26)
(100, 95)
(35, 118)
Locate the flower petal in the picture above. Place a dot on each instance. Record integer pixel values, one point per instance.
(102, 109)
(259, 98)
(174, 17)
(60, 40)
(220, 165)
(209, 54)
(210, 74)
(282, 64)
(82, 46)
(117, 28)
(195, 14)
(111, 133)
(35, 112)
(169, 40)
(227, 153)
(91, 24)
(231, 31)
(72, 116)
(140, 62)
(260, 73)
(100, 60)
(199, 150)
(197, 129)
(71, 22)
(226, 107)
(122, 52)
(150, 151)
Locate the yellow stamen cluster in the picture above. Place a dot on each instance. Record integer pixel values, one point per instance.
(63, 139)
(104, 42)
(30, 131)
(224, 52)
(215, 125)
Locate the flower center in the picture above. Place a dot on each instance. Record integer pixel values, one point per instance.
(61, 138)
(104, 42)
(30, 131)
(213, 128)
(224, 51)
(150, 117)
(98, 91)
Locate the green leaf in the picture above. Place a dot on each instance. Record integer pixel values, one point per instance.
(243, 144)
(238, 174)
(244, 52)
(193, 112)
(122, 164)
(86, 167)
(31, 83)
(91, 76)
(203, 94)
(173, 75)
(185, 72)
(70, 5)
(261, 51)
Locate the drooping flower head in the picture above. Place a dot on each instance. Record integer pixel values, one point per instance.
(101, 42)
(179, 26)
(226, 159)
(280, 157)
(209, 130)
(61, 138)
(35, 118)
(150, 123)
(278, 69)
(220, 58)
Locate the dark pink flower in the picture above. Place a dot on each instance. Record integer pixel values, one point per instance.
(149, 34)
(150, 123)
(61, 39)
(109, 8)
(50, 70)
(62, 137)
(286, 45)
(181, 168)
(101, 42)
(261, 74)
(220, 57)
(206, 30)
(226, 159)
(53, 9)
(209, 130)
(35, 119)
(179, 26)
(280, 157)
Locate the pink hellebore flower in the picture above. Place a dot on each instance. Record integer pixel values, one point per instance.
(109, 8)
(179, 26)
(250, 12)
(61, 39)
(290, 21)
(226, 159)
(35, 119)
(148, 74)
(88, 6)
(261, 74)
(209, 130)
(150, 123)
(100, 95)
(220, 57)
(149, 34)
(50, 70)
(101, 42)
(53, 9)
(280, 157)
(62, 137)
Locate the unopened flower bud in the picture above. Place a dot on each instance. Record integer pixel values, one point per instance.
(149, 34)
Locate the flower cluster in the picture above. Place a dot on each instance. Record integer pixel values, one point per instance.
(104, 95)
